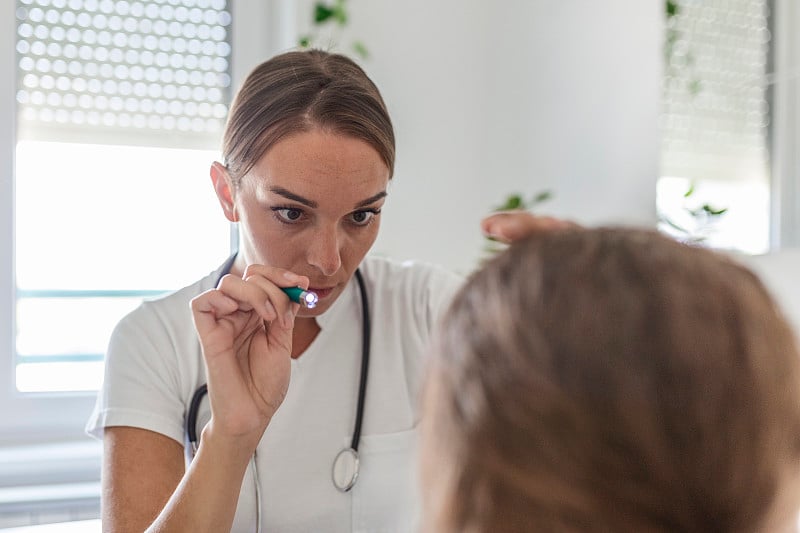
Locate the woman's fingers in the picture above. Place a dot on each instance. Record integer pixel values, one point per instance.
(249, 297)
(245, 326)
(246, 357)
(212, 302)
(218, 322)
(209, 306)
(510, 226)
(258, 290)
(271, 280)
(276, 299)
(278, 276)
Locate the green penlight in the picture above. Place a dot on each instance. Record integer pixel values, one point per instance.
(301, 296)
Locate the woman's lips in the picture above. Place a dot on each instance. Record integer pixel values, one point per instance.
(320, 292)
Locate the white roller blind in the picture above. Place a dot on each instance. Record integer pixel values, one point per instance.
(154, 73)
(716, 113)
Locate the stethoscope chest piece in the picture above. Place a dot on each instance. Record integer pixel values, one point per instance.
(345, 469)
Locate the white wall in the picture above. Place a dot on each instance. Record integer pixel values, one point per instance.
(490, 98)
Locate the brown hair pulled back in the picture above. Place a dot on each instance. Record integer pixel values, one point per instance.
(297, 91)
(612, 380)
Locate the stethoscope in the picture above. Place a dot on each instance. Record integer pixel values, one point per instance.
(346, 463)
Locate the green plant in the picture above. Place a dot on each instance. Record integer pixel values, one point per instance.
(673, 61)
(517, 201)
(702, 219)
(330, 15)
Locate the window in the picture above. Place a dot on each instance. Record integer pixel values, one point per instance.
(715, 184)
(120, 106)
(111, 202)
(786, 133)
(99, 227)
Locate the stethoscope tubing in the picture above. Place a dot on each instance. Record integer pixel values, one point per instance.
(366, 335)
(191, 417)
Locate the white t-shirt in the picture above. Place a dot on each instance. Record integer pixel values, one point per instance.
(154, 366)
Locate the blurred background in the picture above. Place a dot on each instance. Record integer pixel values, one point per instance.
(680, 115)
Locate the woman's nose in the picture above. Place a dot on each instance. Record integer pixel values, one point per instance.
(324, 252)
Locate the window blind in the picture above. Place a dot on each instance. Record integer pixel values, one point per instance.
(153, 73)
(715, 107)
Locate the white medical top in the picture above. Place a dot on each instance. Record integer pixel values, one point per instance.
(154, 366)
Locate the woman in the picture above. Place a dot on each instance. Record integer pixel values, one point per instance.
(612, 380)
(308, 156)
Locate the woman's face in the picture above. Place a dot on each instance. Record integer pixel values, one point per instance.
(312, 205)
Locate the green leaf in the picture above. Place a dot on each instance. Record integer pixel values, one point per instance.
(675, 225)
(714, 212)
(304, 41)
(322, 13)
(340, 15)
(541, 197)
(689, 191)
(361, 49)
(672, 8)
(513, 201)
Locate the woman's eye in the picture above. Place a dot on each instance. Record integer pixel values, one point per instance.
(362, 218)
(288, 214)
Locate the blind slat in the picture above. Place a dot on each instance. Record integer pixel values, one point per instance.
(124, 72)
(715, 111)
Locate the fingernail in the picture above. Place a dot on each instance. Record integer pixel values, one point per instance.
(490, 233)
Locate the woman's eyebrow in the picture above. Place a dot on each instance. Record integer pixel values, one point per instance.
(313, 205)
(371, 199)
(294, 197)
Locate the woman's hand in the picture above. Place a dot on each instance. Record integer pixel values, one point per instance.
(245, 327)
(509, 226)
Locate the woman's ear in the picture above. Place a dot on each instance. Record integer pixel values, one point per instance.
(223, 186)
